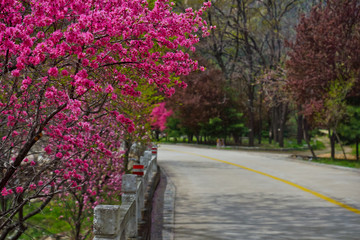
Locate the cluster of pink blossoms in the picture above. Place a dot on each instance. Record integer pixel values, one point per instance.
(64, 68)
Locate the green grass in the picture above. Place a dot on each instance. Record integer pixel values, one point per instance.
(51, 221)
(318, 145)
(47, 223)
(338, 162)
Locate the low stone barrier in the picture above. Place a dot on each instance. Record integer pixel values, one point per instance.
(131, 219)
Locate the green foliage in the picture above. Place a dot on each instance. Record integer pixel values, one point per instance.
(335, 108)
(349, 129)
(173, 128)
(214, 128)
(50, 222)
(318, 145)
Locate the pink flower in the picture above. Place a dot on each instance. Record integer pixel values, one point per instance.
(109, 89)
(32, 186)
(26, 160)
(44, 80)
(32, 163)
(53, 71)
(15, 73)
(47, 149)
(59, 155)
(64, 73)
(40, 183)
(4, 192)
(40, 35)
(85, 62)
(19, 189)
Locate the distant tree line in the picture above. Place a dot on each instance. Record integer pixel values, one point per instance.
(275, 69)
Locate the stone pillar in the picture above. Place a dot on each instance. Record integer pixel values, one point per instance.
(144, 161)
(154, 154)
(147, 155)
(107, 222)
(129, 188)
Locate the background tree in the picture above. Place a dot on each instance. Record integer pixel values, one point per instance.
(278, 101)
(202, 100)
(248, 39)
(323, 58)
(158, 118)
(350, 128)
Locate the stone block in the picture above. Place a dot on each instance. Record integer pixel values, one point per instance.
(129, 183)
(107, 222)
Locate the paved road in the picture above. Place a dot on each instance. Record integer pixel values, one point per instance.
(259, 196)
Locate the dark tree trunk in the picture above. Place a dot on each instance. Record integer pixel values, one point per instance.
(271, 135)
(357, 148)
(78, 221)
(198, 140)
(260, 118)
(332, 144)
(157, 135)
(300, 131)
(275, 126)
(306, 135)
(190, 137)
(284, 109)
(128, 144)
(251, 122)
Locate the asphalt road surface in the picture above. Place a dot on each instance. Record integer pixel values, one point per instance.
(223, 194)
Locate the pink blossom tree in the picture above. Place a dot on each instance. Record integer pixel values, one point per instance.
(158, 118)
(64, 67)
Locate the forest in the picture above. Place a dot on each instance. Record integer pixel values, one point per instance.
(277, 72)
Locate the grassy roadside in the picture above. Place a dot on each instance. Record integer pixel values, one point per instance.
(49, 223)
(338, 162)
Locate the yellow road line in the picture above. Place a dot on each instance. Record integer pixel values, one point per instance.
(319, 195)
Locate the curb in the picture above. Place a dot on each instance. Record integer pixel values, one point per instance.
(169, 208)
(238, 147)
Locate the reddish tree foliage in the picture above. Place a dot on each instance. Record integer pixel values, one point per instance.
(204, 98)
(326, 50)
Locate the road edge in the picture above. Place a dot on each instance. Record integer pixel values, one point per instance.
(169, 208)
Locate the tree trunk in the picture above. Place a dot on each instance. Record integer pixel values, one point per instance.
(197, 139)
(283, 108)
(341, 145)
(157, 135)
(251, 124)
(275, 127)
(300, 131)
(332, 144)
(270, 127)
(190, 138)
(128, 144)
(78, 221)
(305, 127)
(236, 138)
(260, 118)
(357, 148)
